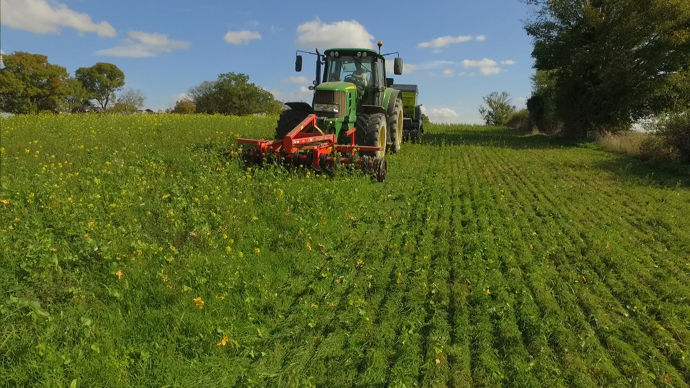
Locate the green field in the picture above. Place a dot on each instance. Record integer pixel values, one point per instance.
(132, 253)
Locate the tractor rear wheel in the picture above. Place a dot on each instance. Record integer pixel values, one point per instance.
(395, 126)
(288, 121)
(372, 131)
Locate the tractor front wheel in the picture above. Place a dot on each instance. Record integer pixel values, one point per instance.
(372, 131)
(288, 121)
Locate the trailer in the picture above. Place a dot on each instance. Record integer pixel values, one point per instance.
(413, 125)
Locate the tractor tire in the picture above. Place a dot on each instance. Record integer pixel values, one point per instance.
(395, 126)
(288, 120)
(372, 131)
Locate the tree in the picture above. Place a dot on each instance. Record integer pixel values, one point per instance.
(132, 97)
(542, 103)
(77, 98)
(184, 107)
(498, 109)
(233, 94)
(613, 61)
(29, 84)
(101, 80)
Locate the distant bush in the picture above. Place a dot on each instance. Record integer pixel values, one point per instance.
(123, 107)
(496, 109)
(184, 107)
(520, 120)
(674, 131)
(631, 143)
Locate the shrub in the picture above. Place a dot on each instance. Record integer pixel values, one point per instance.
(123, 107)
(184, 107)
(520, 120)
(674, 131)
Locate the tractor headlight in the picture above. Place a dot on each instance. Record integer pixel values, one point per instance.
(332, 108)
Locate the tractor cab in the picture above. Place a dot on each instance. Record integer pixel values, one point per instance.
(362, 67)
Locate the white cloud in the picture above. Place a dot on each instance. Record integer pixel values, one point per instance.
(241, 37)
(448, 72)
(316, 34)
(44, 17)
(486, 66)
(444, 41)
(296, 79)
(508, 62)
(441, 115)
(480, 38)
(302, 94)
(143, 44)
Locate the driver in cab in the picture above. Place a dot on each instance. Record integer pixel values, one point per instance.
(360, 77)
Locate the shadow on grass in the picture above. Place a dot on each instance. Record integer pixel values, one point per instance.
(658, 173)
(496, 137)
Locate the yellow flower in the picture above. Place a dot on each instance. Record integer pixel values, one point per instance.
(5, 201)
(119, 274)
(228, 249)
(240, 254)
(165, 196)
(257, 251)
(199, 303)
(308, 245)
(223, 341)
(487, 291)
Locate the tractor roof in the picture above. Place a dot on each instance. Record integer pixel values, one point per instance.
(405, 87)
(352, 50)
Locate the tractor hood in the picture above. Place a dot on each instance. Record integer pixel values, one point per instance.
(335, 86)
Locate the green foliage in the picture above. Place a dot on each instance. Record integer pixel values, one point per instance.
(123, 107)
(29, 84)
(497, 110)
(674, 130)
(613, 62)
(542, 103)
(519, 120)
(233, 94)
(184, 107)
(101, 80)
(135, 253)
(77, 98)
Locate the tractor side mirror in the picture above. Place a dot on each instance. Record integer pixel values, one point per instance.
(298, 63)
(389, 82)
(398, 66)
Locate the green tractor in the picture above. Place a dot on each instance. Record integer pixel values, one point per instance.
(351, 91)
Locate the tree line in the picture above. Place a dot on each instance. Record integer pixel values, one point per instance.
(30, 84)
(602, 65)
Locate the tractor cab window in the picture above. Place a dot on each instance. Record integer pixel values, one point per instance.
(359, 71)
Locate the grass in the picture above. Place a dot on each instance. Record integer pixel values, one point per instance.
(134, 254)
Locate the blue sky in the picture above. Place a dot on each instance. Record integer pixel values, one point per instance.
(456, 51)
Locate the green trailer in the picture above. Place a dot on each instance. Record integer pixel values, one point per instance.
(413, 125)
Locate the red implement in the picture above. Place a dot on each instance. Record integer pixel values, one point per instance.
(308, 144)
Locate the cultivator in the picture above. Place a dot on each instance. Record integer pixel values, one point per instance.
(308, 145)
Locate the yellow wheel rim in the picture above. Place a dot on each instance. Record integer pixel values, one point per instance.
(400, 127)
(382, 142)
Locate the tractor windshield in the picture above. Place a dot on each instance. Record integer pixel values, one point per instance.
(358, 70)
